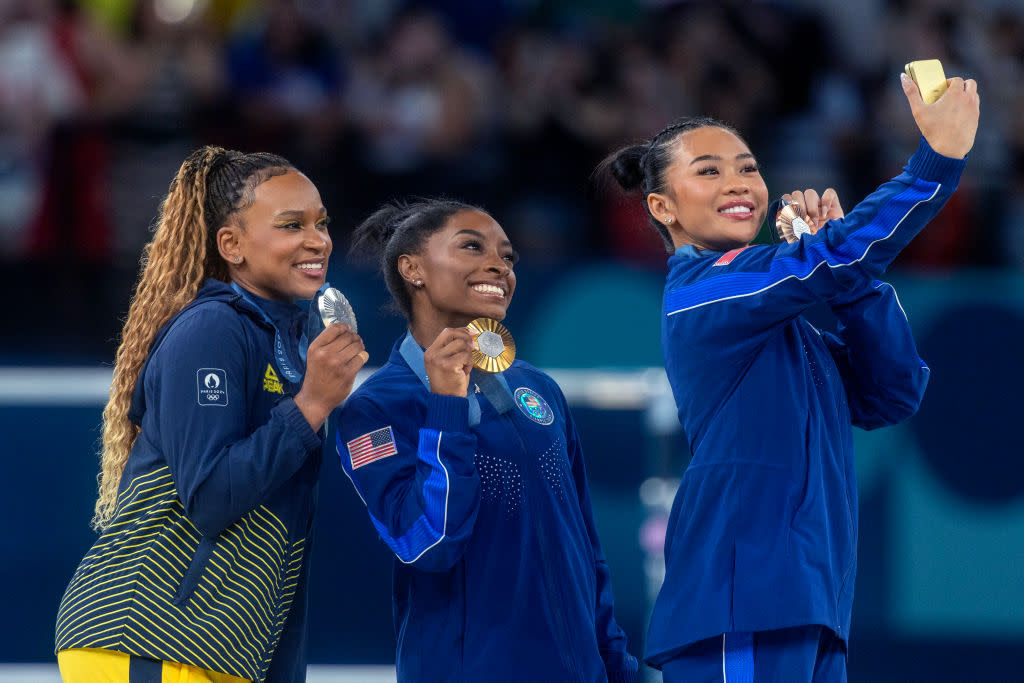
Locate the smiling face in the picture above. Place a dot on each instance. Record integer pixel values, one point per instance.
(466, 273)
(280, 239)
(715, 197)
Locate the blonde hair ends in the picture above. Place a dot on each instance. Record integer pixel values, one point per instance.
(173, 266)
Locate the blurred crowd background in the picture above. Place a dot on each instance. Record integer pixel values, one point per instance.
(511, 104)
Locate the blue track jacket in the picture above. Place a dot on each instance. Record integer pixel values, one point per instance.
(763, 531)
(206, 559)
(499, 575)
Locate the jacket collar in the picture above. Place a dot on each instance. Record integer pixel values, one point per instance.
(689, 251)
(283, 314)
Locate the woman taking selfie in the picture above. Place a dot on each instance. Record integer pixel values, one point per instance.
(761, 546)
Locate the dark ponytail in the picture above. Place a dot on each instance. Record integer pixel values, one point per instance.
(643, 167)
(402, 227)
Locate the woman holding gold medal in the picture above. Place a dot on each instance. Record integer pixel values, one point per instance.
(761, 545)
(472, 472)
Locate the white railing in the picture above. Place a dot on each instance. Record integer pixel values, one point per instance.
(609, 389)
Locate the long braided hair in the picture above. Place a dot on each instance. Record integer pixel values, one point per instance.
(209, 188)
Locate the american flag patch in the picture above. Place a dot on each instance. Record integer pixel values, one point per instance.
(372, 446)
(728, 256)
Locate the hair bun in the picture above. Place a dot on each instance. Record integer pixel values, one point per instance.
(626, 166)
(372, 235)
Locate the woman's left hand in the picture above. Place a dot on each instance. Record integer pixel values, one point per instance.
(818, 209)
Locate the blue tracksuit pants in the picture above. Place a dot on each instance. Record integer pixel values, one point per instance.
(803, 654)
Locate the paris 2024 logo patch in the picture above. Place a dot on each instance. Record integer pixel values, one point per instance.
(533, 406)
(213, 387)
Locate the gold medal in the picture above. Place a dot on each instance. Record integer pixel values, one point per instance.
(335, 308)
(791, 223)
(496, 349)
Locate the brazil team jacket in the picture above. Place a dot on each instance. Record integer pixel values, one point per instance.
(763, 530)
(499, 575)
(206, 558)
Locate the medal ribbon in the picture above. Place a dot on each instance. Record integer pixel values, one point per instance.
(493, 386)
(281, 360)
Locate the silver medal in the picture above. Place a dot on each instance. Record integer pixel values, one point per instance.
(335, 308)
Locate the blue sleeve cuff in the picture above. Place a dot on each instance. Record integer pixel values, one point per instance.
(294, 418)
(624, 676)
(447, 413)
(621, 667)
(927, 164)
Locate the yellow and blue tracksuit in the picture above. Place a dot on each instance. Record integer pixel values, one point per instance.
(205, 561)
(763, 530)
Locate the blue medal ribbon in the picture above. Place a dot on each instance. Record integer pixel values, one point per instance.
(281, 359)
(493, 386)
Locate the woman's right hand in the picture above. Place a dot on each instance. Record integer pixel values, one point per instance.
(332, 361)
(950, 123)
(449, 360)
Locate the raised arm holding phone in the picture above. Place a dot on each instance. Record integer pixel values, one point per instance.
(761, 547)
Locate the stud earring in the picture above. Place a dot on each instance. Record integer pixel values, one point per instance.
(237, 259)
(668, 220)
(419, 283)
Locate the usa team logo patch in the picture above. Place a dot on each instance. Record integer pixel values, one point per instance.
(533, 406)
(726, 258)
(212, 385)
(372, 446)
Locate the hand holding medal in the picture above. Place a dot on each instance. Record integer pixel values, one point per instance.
(483, 345)
(804, 213)
(334, 357)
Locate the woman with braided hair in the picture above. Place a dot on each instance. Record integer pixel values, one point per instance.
(761, 545)
(212, 438)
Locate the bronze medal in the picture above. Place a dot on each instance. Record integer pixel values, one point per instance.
(791, 223)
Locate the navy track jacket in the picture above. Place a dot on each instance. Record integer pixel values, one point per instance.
(763, 531)
(205, 561)
(499, 575)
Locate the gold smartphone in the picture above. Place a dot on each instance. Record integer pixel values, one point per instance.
(930, 78)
